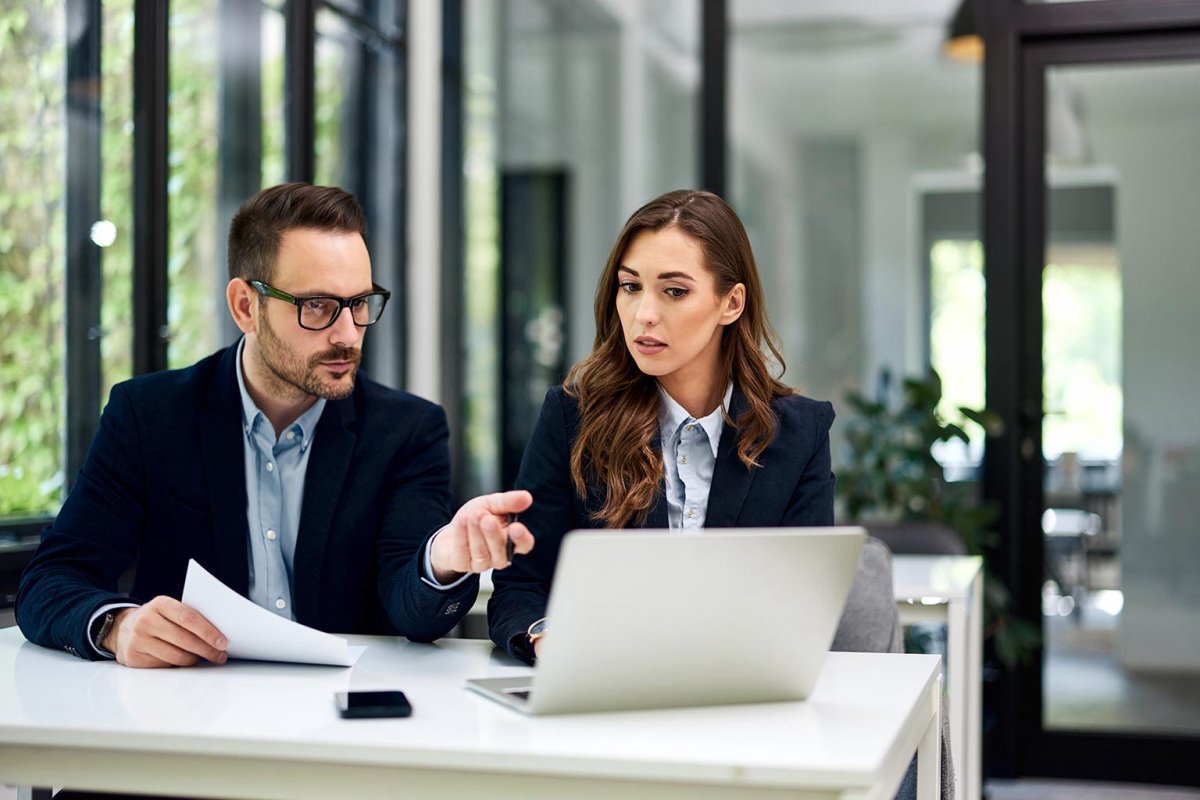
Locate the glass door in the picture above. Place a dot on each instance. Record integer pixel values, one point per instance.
(1114, 518)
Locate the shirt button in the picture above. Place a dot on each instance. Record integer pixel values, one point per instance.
(691, 513)
(683, 460)
(270, 467)
(291, 435)
(271, 535)
(691, 428)
(279, 603)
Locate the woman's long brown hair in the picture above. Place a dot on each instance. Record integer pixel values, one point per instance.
(619, 404)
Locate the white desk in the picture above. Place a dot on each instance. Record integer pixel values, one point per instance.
(946, 590)
(949, 590)
(250, 729)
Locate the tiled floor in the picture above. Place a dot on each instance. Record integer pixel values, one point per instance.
(1087, 689)
(1029, 789)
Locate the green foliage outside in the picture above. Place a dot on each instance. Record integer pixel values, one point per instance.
(116, 193)
(32, 215)
(32, 258)
(193, 239)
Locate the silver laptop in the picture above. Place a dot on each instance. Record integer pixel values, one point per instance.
(652, 619)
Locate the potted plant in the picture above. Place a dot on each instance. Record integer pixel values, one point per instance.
(889, 475)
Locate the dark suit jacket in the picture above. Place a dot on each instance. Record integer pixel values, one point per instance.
(793, 487)
(164, 481)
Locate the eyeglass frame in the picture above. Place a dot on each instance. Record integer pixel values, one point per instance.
(343, 302)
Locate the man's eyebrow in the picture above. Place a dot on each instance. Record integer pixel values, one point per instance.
(322, 293)
(632, 272)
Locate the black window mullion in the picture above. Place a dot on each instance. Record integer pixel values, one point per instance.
(1002, 467)
(84, 279)
(150, 82)
(1101, 17)
(714, 58)
(453, 257)
(300, 23)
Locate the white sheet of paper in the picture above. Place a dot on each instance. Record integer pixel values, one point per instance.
(255, 633)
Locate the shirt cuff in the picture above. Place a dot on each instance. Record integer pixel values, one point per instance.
(427, 574)
(100, 651)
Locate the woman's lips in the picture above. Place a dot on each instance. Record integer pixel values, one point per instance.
(649, 347)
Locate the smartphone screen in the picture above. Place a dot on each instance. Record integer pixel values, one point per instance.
(353, 705)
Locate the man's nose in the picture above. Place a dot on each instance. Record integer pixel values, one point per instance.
(343, 332)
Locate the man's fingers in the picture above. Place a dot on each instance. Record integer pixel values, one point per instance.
(503, 503)
(185, 640)
(477, 546)
(166, 652)
(139, 660)
(522, 539)
(192, 620)
(497, 540)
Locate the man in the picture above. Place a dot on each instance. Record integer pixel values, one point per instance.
(317, 493)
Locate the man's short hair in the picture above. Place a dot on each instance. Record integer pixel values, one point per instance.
(258, 227)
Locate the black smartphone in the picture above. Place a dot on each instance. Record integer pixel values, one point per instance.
(360, 705)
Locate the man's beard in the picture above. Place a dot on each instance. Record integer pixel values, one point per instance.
(295, 376)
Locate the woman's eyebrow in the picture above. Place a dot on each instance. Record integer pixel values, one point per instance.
(632, 272)
(668, 275)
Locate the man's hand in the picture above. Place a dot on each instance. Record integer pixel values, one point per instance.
(476, 539)
(164, 633)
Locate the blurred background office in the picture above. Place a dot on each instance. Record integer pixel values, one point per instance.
(1004, 192)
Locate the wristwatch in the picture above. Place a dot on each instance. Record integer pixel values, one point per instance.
(106, 623)
(536, 631)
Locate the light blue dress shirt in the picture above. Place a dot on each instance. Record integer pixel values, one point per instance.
(689, 448)
(275, 471)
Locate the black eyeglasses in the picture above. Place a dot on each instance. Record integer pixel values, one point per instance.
(318, 313)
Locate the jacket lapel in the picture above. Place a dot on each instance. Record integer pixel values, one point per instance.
(333, 449)
(221, 450)
(657, 517)
(731, 480)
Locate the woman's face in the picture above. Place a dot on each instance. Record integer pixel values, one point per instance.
(671, 314)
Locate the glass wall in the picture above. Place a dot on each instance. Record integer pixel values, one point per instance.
(575, 114)
(225, 139)
(194, 142)
(32, 256)
(37, 104)
(1121, 435)
(359, 144)
(64, 74)
(115, 229)
(842, 121)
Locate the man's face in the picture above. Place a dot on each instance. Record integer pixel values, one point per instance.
(318, 363)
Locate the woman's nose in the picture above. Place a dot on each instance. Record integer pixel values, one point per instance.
(647, 312)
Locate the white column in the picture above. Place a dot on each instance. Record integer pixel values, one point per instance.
(423, 264)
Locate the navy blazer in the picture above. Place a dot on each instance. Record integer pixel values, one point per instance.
(165, 481)
(792, 487)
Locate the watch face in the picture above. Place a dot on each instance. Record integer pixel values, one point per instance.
(538, 628)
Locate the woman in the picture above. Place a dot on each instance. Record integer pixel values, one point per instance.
(675, 419)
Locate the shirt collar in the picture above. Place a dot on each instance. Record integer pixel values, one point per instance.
(671, 416)
(306, 423)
